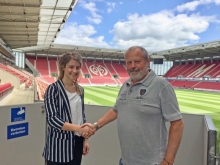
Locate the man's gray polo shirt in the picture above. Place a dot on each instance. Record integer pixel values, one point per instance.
(142, 111)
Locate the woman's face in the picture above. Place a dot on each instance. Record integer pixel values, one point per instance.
(72, 70)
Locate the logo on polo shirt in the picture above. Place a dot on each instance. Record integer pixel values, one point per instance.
(142, 91)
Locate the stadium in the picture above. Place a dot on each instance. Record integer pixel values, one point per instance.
(29, 63)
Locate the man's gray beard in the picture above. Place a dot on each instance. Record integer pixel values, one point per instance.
(138, 76)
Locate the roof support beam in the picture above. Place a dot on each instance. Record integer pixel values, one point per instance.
(19, 35)
(32, 6)
(17, 26)
(18, 5)
(19, 39)
(21, 44)
(29, 21)
(29, 14)
(20, 31)
(55, 8)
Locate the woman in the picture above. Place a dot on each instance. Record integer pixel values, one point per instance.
(64, 104)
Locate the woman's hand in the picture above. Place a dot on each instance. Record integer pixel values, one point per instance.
(85, 147)
(85, 132)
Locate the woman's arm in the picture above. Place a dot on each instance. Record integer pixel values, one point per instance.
(50, 102)
(53, 119)
(85, 131)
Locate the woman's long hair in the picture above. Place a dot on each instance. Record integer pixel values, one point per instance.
(63, 60)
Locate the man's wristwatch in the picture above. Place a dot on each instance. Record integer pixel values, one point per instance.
(96, 125)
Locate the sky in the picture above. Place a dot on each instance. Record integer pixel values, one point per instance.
(154, 24)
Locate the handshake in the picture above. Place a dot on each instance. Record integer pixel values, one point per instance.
(87, 129)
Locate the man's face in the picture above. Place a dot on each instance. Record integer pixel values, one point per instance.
(136, 64)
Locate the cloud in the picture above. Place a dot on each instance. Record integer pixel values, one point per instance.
(140, 1)
(74, 34)
(110, 6)
(159, 31)
(217, 2)
(91, 7)
(191, 6)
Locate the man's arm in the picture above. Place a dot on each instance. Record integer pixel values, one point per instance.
(107, 118)
(110, 116)
(175, 135)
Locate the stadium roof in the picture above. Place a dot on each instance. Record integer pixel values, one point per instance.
(6, 52)
(87, 52)
(209, 50)
(25, 23)
(31, 26)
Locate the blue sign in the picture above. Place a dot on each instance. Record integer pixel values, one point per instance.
(17, 114)
(17, 130)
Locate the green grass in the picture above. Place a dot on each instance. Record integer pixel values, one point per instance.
(193, 102)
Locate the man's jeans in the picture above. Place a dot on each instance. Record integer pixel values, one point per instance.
(120, 163)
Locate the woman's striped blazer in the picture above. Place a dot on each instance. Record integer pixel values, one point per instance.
(59, 144)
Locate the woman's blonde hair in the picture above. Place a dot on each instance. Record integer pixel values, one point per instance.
(63, 60)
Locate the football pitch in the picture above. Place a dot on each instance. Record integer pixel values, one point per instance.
(193, 102)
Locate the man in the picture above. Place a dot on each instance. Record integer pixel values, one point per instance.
(145, 103)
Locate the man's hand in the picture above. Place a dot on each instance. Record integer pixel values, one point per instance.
(85, 132)
(92, 128)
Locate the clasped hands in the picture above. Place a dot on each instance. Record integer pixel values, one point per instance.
(87, 130)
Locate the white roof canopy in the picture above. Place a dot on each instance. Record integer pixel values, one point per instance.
(209, 50)
(26, 23)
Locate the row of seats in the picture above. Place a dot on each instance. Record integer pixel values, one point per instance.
(100, 73)
(195, 84)
(195, 70)
(28, 83)
(14, 72)
(5, 89)
(42, 87)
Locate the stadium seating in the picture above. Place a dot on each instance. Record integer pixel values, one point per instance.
(208, 85)
(120, 70)
(5, 89)
(84, 69)
(22, 77)
(215, 71)
(195, 84)
(111, 68)
(42, 66)
(100, 74)
(184, 84)
(103, 74)
(28, 83)
(32, 60)
(85, 81)
(208, 69)
(41, 87)
(195, 70)
(53, 65)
